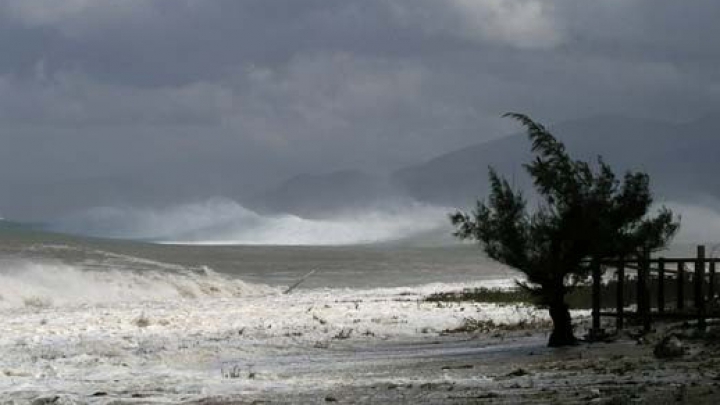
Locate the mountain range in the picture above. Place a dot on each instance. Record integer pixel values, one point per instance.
(681, 159)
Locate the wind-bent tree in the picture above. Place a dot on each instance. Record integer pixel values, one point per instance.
(584, 213)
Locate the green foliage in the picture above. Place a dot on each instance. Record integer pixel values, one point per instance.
(482, 294)
(585, 213)
(580, 297)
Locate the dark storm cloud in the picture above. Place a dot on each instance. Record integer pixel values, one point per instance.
(176, 42)
(175, 99)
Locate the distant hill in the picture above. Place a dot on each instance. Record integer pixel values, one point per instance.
(682, 159)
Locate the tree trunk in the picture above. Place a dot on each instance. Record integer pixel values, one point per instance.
(562, 334)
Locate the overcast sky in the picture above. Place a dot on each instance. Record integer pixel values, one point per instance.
(104, 100)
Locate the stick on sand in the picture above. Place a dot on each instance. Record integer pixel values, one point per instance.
(292, 287)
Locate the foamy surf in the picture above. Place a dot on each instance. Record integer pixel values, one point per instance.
(182, 350)
(91, 321)
(39, 284)
(225, 222)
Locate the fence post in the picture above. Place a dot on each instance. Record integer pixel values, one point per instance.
(699, 280)
(643, 301)
(619, 321)
(711, 282)
(661, 285)
(596, 331)
(680, 286)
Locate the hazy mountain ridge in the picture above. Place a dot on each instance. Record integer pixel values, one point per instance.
(681, 159)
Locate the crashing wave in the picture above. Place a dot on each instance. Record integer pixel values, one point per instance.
(33, 283)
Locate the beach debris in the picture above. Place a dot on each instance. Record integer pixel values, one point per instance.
(297, 283)
(140, 395)
(317, 318)
(234, 371)
(47, 400)
(669, 347)
(343, 334)
(519, 372)
(141, 321)
(458, 367)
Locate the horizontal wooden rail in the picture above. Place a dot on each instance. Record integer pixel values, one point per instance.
(674, 260)
(665, 315)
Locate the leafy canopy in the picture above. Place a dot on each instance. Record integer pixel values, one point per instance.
(585, 213)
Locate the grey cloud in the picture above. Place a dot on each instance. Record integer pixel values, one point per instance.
(74, 100)
(522, 24)
(173, 42)
(199, 98)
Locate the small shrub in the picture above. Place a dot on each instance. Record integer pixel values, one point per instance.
(482, 294)
(37, 302)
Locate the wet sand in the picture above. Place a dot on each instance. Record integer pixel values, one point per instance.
(479, 369)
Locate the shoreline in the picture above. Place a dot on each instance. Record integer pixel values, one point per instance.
(350, 346)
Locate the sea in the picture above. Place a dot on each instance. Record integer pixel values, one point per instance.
(96, 320)
(92, 320)
(43, 268)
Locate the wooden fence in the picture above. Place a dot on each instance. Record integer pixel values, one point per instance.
(662, 288)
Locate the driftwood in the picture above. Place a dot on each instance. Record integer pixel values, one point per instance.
(294, 286)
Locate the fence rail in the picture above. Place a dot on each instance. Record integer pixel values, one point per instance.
(656, 279)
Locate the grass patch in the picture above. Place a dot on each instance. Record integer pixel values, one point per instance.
(490, 295)
(579, 298)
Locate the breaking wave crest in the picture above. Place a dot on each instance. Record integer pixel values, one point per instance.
(226, 222)
(32, 283)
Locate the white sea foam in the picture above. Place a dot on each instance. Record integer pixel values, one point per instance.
(221, 221)
(26, 283)
(143, 348)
